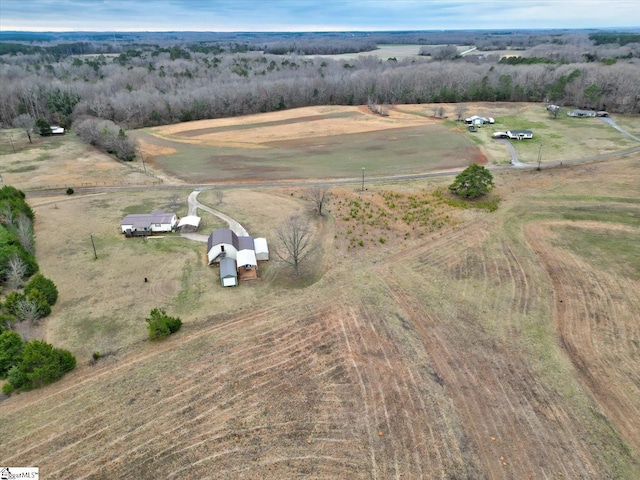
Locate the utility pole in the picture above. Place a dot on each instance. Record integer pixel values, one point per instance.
(363, 179)
(539, 156)
(94, 246)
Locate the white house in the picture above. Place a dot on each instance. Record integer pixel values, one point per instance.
(262, 250)
(478, 120)
(519, 134)
(148, 223)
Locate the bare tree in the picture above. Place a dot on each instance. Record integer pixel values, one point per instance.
(461, 110)
(219, 196)
(295, 238)
(319, 195)
(26, 123)
(174, 203)
(15, 272)
(24, 231)
(441, 112)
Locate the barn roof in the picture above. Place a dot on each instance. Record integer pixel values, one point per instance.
(222, 235)
(245, 243)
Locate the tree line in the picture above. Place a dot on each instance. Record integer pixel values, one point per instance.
(27, 297)
(147, 86)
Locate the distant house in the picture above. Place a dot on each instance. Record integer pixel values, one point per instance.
(228, 272)
(602, 113)
(55, 130)
(137, 224)
(478, 121)
(190, 223)
(519, 134)
(581, 113)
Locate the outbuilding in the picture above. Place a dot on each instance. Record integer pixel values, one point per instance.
(228, 272)
(222, 243)
(190, 223)
(262, 249)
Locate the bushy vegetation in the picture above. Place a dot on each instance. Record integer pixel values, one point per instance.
(473, 182)
(17, 245)
(162, 325)
(32, 364)
(107, 136)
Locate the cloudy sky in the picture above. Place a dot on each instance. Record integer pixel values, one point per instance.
(313, 15)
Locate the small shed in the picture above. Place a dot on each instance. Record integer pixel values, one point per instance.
(190, 223)
(228, 272)
(262, 250)
(247, 265)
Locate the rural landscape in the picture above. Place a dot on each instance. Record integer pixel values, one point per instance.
(425, 335)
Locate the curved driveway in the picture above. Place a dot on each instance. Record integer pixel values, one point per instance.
(194, 205)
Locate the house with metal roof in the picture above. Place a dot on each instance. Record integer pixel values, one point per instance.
(519, 134)
(581, 113)
(158, 221)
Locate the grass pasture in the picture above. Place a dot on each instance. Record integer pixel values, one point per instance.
(317, 142)
(470, 344)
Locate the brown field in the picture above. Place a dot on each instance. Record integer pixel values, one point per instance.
(467, 345)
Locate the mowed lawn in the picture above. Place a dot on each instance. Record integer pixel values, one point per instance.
(304, 150)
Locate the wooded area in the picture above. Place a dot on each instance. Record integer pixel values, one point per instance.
(190, 78)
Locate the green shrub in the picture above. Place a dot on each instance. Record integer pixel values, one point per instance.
(39, 298)
(161, 325)
(12, 301)
(40, 365)
(69, 191)
(10, 347)
(46, 286)
(7, 389)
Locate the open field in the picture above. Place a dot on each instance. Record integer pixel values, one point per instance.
(468, 345)
(336, 142)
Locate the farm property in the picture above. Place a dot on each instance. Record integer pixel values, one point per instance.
(467, 345)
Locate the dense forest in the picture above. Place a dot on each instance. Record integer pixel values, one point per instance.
(137, 80)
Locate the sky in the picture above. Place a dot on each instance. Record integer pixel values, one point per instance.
(312, 15)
